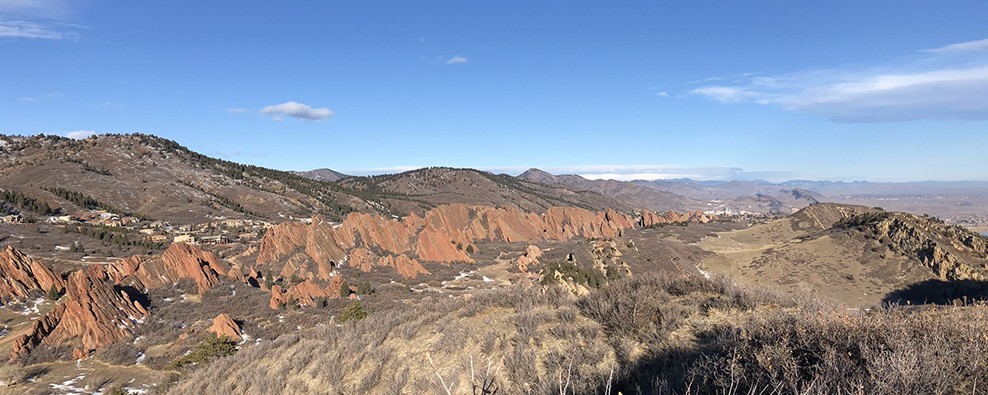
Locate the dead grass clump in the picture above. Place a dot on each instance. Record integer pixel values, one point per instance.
(896, 351)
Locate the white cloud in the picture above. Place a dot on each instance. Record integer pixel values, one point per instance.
(80, 134)
(950, 82)
(457, 60)
(297, 110)
(30, 99)
(969, 46)
(35, 30)
(37, 19)
(237, 110)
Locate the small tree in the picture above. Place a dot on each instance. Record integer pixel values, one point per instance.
(354, 311)
(54, 293)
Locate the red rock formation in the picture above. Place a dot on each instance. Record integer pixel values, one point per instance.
(179, 261)
(406, 267)
(282, 240)
(20, 276)
(305, 293)
(224, 325)
(94, 314)
(444, 235)
(529, 258)
(650, 218)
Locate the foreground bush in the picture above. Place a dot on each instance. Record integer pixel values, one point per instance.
(641, 335)
(897, 351)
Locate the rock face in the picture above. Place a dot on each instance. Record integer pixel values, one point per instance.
(180, 261)
(21, 276)
(650, 218)
(94, 313)
(950, 252)
(224, 325)
(445, 234)
(99, 306)
(529, 258)
(305, 293)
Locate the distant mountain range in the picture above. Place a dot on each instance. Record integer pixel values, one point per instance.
(160, 179)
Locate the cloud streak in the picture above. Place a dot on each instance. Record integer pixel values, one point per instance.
(35, 30)
(297, 110)
(950, 82)
(37, 20)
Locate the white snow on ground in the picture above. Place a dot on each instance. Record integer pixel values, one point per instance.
(68, 387)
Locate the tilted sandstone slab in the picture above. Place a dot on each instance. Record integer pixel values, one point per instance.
(180, 261)
(21, 276)
(94, 313)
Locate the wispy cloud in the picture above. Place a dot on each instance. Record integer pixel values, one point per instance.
(977, 45)
(950, 82)
(36, 99)
(37, 19)
(457, 60)
(80, 134)
(297, 110)
(35, 30)
(237, 110)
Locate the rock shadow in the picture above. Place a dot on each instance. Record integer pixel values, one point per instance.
(939, 292)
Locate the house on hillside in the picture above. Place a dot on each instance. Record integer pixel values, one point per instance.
(187, 239)
(218, 239)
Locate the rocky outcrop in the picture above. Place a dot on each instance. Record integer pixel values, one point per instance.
(529, 258)
(94, 313)
(950, 252)
(365, 260)
(305, 293)
(225, 326)
(650, 218)
(21, 276)
(445, 234)
(180, 261)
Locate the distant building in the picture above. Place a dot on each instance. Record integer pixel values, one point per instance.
(61, 219)
(213, 239)
(159, 238)
(187, 239)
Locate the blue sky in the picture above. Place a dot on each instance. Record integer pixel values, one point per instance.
(884, 90)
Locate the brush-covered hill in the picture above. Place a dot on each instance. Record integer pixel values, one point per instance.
(156, 178)
(855, 254)
(631, 193)
(419, 190)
